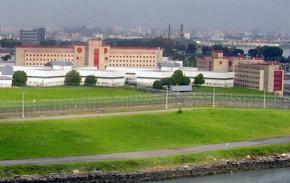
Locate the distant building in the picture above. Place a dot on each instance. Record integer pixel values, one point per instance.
(250, 73)
(34, 36)
(216, 63)
(93, 54)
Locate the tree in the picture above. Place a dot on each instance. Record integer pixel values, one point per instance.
(256, 52)
(6, 57)
(224, 49)
(157, 85)
(190, 62)
(236, 52)
(178, 78)
(206, 51)
(167, 81)
(90, 80)
(199, 80)
(72, 78)
(272, 53)
(191, 49)
(19, 78)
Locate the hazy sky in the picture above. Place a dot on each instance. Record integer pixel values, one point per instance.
(270, 15)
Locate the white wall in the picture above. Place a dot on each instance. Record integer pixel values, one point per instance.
(5, 83)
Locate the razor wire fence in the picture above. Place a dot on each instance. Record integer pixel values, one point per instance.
(138, 103)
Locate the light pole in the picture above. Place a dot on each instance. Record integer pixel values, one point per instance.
(264, 105)
(213, 97)
(166, 102)
(23, 105)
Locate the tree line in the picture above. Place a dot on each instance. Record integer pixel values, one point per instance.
(178, 78)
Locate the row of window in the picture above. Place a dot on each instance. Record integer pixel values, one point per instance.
(132, 65)
(247, 76)
(141, 61)
(35, 64)
(248, 71)
(69, 60)
(247, 82)
(247, 86)
(48, 55)
(131, 56)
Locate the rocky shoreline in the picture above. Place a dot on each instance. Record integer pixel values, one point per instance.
(220, 167)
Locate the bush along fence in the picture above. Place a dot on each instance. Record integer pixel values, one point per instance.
(28, 108)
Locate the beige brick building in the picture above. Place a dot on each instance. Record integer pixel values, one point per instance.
(261, 76)
(216, 63)
(95, 54)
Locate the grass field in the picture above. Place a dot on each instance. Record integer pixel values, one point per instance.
(64, 92)
(144, 164)
(31, 93)
(138, 132)
(234, 90)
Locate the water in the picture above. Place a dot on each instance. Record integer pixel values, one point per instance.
(260, 176)
(286, 51)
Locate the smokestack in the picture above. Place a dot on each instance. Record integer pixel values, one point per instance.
(169, 31)
(181, 31)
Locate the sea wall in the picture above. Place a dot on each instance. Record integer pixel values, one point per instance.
(220, 167)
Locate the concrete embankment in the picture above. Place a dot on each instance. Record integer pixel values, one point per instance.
(220, 167)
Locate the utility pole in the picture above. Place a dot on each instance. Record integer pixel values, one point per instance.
(23, 106)
(264, 105)
(213, 97)
(166, 98)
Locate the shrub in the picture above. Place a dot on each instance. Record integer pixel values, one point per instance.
(72, 78)
(157, 85)
(19, 78)
(90, 81)
(199, 80)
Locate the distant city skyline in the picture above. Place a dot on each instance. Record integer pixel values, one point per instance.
(246, 15)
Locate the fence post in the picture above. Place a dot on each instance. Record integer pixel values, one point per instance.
(23, 105)
(213, 97)
(264, 104)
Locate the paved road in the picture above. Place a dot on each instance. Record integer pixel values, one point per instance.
(146, 154)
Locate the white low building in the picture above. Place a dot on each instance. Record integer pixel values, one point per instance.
(6, 76)
(146, 78)
(5, 82)
(104, 78)
(55, 75)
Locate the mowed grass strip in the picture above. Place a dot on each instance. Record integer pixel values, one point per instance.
(113, 134)
(65, 92)
(134, 165)
(233, 90)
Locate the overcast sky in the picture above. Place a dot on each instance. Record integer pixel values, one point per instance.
(269, 15)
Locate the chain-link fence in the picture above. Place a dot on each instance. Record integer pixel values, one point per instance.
(138, 103)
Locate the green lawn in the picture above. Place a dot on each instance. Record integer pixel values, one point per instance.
(64, 92)
(138, 132)
(234, 90)
(87, 92)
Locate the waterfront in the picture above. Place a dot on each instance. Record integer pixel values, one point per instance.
(286, 51)
(260, 176)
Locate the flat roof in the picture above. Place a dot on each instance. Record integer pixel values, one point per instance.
(135, 48)
(41, 46)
